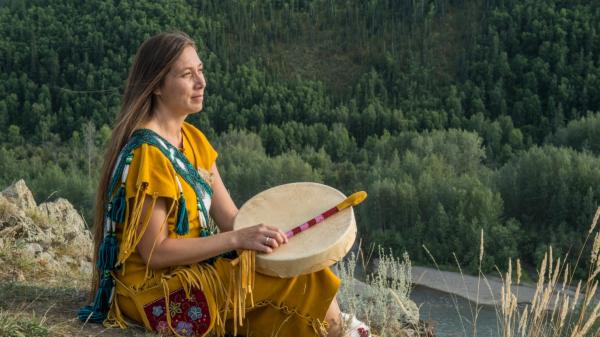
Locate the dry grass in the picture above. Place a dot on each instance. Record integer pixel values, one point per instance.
(39, 218)
(556, 310)
(20, 265)
(553, 311)
(17, 263)
(6, 207)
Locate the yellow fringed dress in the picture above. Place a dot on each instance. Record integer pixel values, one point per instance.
(198, 299)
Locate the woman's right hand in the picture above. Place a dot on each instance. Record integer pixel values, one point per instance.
(261, 238)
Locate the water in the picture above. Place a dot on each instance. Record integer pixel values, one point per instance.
(452, 316)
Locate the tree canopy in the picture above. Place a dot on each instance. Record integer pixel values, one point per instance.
(455, 115)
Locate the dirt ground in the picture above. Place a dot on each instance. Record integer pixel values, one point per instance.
(55, 307)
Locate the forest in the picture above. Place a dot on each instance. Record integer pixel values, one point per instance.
(456, 116)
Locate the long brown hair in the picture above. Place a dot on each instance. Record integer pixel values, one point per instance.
(152, 62)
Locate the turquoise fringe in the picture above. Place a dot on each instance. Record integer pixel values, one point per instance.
(88, 314)
(98, 311)
(183, 226)
(102, 300)
(107, 253)
(119, 205)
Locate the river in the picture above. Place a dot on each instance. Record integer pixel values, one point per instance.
(452, 315)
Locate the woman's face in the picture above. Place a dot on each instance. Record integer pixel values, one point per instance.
(182, 90)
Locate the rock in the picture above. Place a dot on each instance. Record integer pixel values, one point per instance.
(20, 195)
(86, 268)
(46, 256)
(33, 248)
(67, 260)
(53, 235)
(9, 213)
(14, 222)
(46, 260)
(67, 226)
(69, 222)
(23, 228)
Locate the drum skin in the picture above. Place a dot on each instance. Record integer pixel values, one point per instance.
(287, 206)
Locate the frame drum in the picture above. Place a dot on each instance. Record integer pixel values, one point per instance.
(287, 206)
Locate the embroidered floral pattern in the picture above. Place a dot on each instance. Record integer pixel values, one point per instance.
(162, 327)
(195, 313)
(184, 328)
(174, 308)
(189, 316)
(157, 310)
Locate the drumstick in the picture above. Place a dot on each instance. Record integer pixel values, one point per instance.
(352, 200)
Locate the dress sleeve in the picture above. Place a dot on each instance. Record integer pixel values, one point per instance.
(151, 171)
(204, 152)
(150, 175)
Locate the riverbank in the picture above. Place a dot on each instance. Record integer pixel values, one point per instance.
(484, 290)
(481, 290)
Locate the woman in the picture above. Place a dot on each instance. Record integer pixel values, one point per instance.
(159, 261)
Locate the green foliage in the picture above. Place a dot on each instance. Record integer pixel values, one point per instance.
(580, 134)
(433, 190)
(552, 192)
(535, 62)
(247, 170)
(439, 109)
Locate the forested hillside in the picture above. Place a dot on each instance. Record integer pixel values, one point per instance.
(455, 115)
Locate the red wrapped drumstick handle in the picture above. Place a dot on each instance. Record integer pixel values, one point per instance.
(352, 200)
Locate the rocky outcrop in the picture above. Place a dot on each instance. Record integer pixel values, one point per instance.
(20, 195)
(52, 235)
